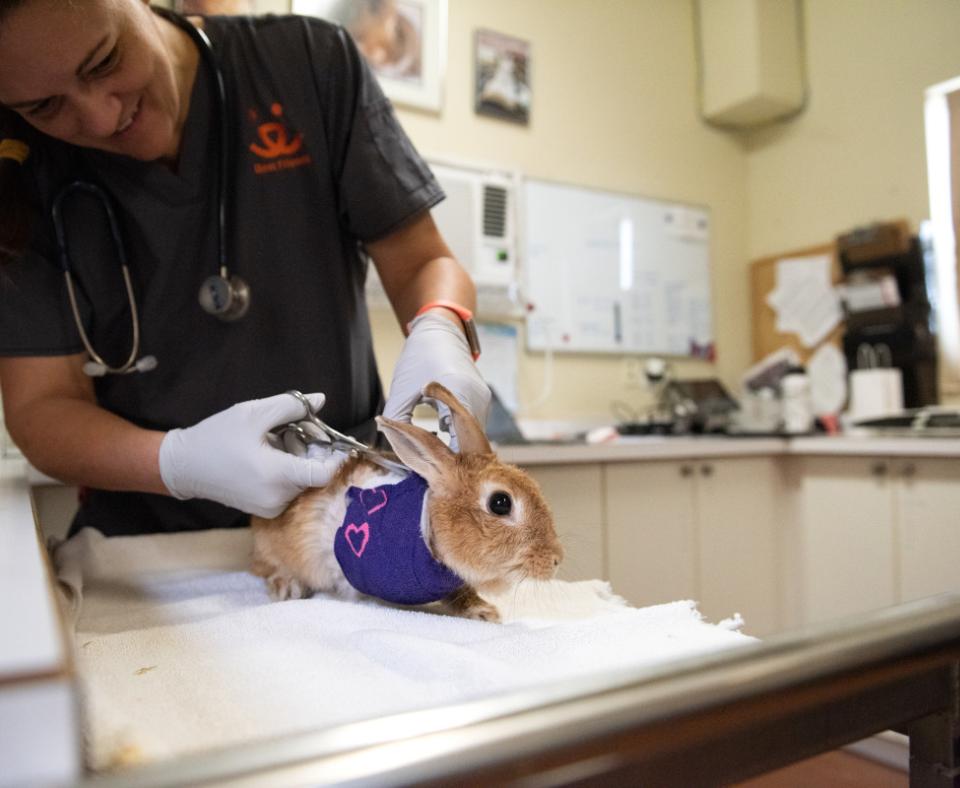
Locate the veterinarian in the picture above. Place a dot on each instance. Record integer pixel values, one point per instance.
(258, 163)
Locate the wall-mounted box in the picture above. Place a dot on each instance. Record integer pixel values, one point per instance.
(751, 60)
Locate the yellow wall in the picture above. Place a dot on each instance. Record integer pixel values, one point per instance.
(615, 106)
(614, 86)
(857, 154)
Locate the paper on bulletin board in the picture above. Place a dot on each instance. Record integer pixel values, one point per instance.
(804, 298)
(498, 360)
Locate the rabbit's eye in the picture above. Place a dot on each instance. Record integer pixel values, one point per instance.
(500, 503)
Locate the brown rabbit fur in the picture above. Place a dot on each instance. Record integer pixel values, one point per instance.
(294, 552)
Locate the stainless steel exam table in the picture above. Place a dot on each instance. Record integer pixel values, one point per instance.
(704, 721)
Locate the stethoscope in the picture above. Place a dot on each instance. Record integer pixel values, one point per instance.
(223, 295)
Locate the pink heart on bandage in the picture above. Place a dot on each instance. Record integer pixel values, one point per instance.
(357, 537)
(373, 500)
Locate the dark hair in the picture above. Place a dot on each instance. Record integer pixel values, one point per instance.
(19, 202)
(9, 5)
(19, 207)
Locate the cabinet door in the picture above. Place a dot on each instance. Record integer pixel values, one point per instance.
(928, 526)
(740, 509)
(574, 494)
(845, 545)
(651, 539)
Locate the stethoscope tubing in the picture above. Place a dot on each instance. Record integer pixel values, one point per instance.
(223, 171)
(59, 228)
(130, 364)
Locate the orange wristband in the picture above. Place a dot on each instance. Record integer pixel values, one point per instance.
(466, 317)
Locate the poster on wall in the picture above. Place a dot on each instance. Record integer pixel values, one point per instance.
(502, 77)
(404, 41)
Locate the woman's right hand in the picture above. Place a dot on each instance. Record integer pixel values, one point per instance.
(228, 458)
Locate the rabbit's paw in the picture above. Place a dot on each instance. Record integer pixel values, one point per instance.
(483, 611)
(467, 603)
(283, 587)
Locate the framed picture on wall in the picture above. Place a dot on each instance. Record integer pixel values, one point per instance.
(404, 41)
(212, 7)
(502, 77)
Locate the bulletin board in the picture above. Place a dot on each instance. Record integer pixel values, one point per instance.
(607, 272)
(766, 338)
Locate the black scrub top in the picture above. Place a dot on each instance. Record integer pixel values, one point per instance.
(319, 165)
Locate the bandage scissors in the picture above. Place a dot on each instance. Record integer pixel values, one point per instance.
(313, 430)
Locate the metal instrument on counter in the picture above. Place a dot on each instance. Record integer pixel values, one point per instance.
(928, 422)
(680, 407)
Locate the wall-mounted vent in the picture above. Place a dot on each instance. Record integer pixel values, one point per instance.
(494, 211)
(478, 222)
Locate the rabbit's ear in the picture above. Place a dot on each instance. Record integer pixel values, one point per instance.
(469, 431)
(419, 450)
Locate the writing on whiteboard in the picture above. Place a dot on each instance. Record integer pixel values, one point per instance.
(615, 273)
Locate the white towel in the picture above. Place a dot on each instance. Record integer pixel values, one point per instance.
(179, 649)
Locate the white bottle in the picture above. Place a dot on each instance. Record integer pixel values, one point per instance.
(797, 402)
(768, 414)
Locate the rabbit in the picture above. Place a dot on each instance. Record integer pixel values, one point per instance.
(484, 525)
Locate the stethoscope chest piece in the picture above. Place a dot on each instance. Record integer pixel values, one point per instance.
(228, 298)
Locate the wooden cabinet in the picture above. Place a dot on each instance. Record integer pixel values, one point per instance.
(574, 493)
(927, 525)
(740, 512)
(873, 532)
(697, 529)
(651, 531)
(843, 543)
(782, 540)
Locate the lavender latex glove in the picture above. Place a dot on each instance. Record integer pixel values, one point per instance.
(436, 349)
(231, 458)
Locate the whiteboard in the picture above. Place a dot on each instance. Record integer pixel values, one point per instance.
(615, 273)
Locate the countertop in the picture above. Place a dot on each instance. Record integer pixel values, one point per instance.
(625, 448)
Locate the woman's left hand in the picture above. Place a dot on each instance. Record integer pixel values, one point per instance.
(437, 350)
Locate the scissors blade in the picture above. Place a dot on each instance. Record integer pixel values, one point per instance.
(373, 456)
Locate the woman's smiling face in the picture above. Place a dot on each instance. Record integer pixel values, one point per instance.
(98, 74)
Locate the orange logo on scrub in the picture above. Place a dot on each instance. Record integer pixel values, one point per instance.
(275, 138)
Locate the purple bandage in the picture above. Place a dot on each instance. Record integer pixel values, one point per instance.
(381, 550)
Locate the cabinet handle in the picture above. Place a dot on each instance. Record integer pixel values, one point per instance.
(686, 471)
(879, 469)
(909, 470)
(706, 470)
